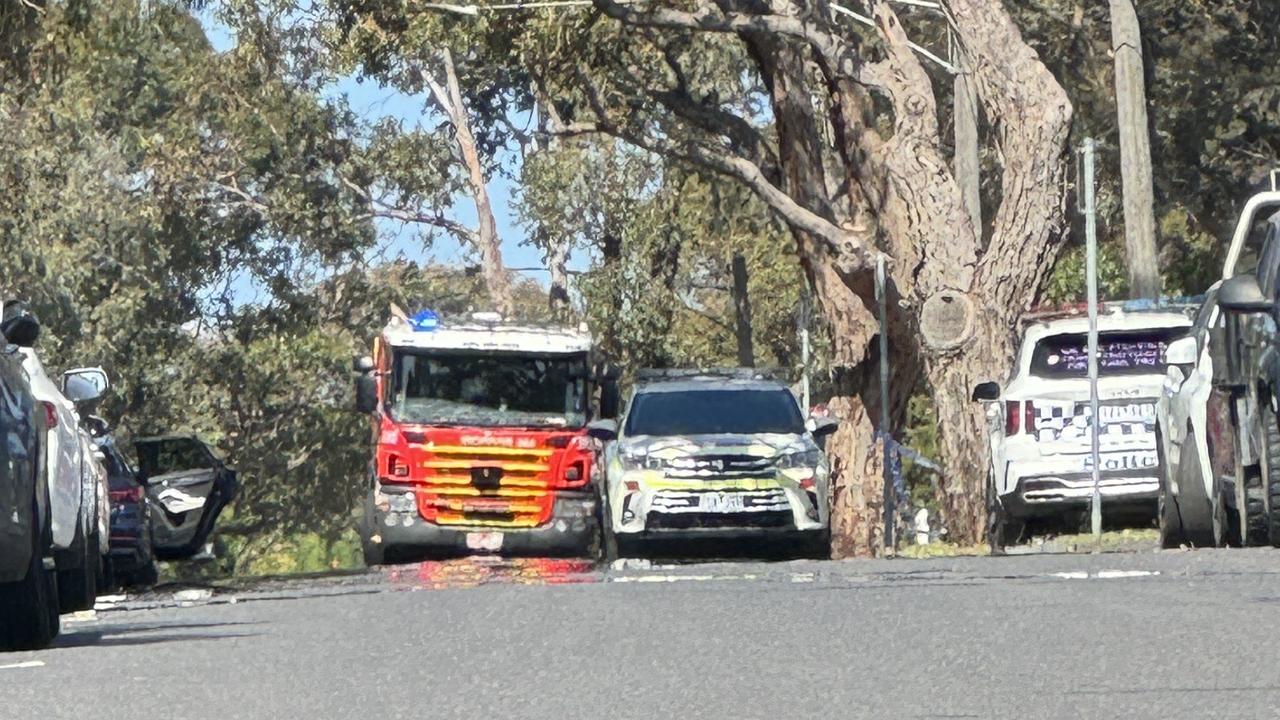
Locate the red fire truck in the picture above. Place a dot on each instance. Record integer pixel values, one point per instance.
(480, 440)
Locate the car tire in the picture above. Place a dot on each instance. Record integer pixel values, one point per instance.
(1222, 521)
(1251, 520)
(1197, 511)
(146, 576)
(78, 586)
(1271, 470)
(1172, 535)
(609, 551)
(29, 618)
(1168, 515)
(1002, 530)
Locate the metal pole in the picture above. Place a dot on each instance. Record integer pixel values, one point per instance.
(890, 495)
(1091, 278)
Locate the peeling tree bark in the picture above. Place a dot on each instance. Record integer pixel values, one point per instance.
(485, 239)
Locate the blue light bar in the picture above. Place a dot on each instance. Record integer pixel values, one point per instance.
(424, 321)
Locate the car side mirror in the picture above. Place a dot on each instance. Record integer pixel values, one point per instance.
(84, 385)
(366, 394)
(1181, 352)
(986, 392)
(603, 430)
(821, 427)
(363, 364)
(1241, 294)
(18, 325)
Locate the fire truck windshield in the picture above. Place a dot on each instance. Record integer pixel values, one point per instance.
(490, 389)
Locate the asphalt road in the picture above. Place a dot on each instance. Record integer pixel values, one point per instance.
(1142, 635)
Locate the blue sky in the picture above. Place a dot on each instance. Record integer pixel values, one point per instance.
(372, 101)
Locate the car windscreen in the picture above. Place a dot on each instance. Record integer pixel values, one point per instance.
(490, 389)
(714, 412)
(1131, 352)
(159, 457)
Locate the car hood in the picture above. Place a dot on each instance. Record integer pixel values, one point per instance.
(763, 445)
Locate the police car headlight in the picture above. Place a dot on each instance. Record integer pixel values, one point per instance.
(804, 459)
(641, 461)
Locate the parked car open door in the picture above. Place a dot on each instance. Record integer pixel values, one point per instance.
(188, 486)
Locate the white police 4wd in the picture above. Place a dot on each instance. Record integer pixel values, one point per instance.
(1040, 429)
(714, 454)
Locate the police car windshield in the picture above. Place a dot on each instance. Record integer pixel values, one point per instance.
(1133, 352)
(714, 412)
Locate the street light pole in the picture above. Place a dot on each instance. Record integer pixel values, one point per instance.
(1091, 281)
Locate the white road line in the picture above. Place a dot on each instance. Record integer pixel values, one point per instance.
(18, 666)
(1110, 574)
(1104, 574)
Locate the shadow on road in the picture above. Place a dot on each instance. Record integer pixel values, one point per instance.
(131, 635)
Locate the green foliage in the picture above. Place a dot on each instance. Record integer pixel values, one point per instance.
(1213, 90)
(664, 236)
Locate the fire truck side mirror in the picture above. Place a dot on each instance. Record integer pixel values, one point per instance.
(366, 394)
(610, 400)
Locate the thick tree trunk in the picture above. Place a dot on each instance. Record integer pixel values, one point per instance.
(857, 483)
(1135, 152)
(485, 240)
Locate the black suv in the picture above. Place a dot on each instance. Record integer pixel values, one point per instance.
(1251, 355)
(28, 585)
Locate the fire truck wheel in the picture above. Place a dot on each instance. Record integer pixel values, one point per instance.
(374, 552)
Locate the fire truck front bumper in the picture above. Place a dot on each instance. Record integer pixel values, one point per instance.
(573, 531)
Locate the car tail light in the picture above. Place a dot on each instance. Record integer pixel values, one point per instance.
(632, 486)
(1019, 416)
(130, 495)
(50, 414)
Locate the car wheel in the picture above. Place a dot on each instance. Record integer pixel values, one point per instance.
(1197, 510)
(1271, 471)
(1250, 491)
(1002, 530)
(1172, 535)
(29, 608)
(78, 586)
(147, 575)
(1167, 513)
(608, 539)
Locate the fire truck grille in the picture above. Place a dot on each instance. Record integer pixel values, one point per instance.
(487, 486)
